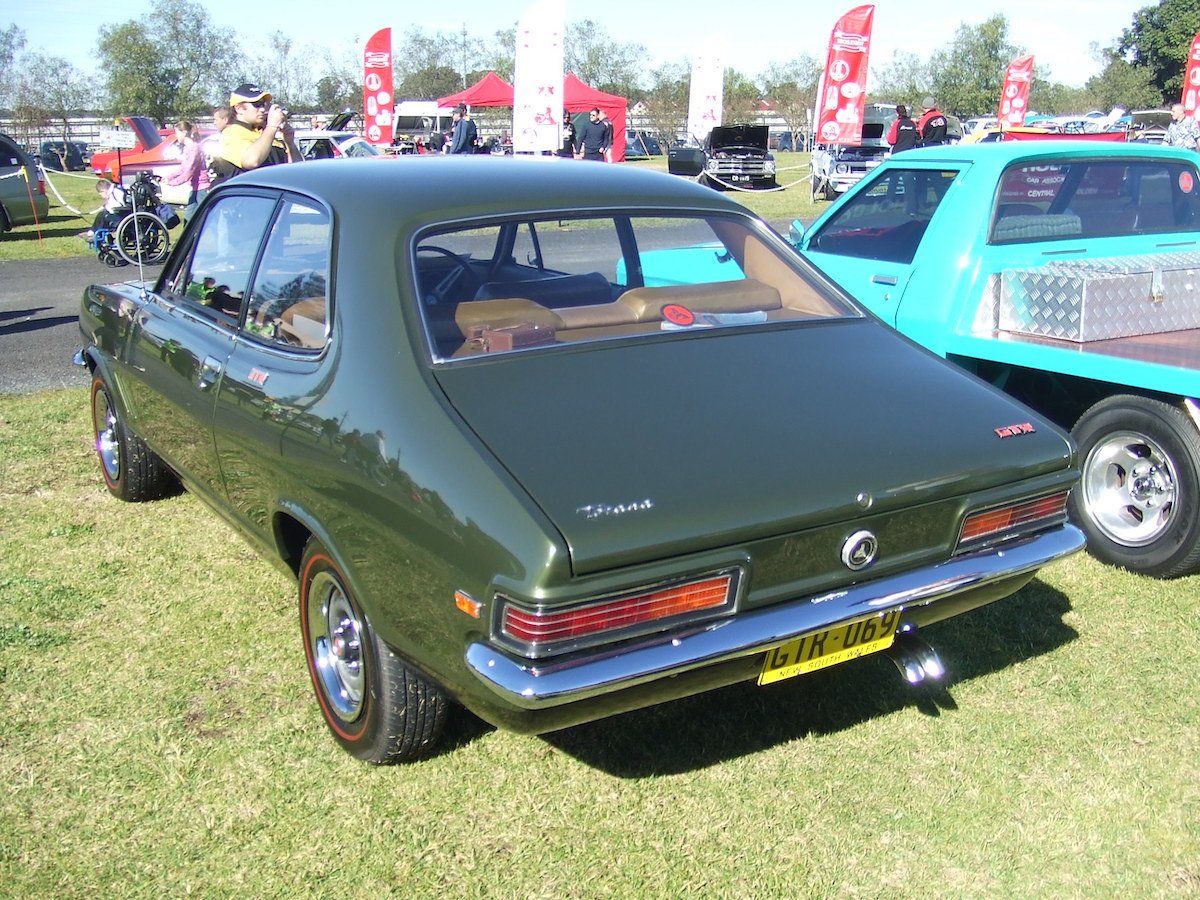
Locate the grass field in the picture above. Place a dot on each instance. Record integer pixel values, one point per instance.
(158, 737)
(73, 205)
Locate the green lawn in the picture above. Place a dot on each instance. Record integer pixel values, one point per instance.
(158, 737)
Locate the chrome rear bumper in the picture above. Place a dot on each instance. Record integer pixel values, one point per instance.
(534, 685)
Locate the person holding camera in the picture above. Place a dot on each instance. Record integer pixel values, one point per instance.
(260, 135)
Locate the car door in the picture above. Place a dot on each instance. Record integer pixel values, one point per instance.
(868, 241)
(275, 373)
(185, 334)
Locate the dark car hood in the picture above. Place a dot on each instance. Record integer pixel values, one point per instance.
(722, 137)
(637, 451)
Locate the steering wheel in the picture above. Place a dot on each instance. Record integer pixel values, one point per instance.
(442, 288)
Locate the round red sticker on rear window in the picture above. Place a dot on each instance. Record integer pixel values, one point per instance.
(678, 315)
(1186, 182)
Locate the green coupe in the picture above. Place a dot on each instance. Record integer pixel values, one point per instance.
(513, 468)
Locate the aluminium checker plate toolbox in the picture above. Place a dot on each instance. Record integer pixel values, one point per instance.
(1097, 299)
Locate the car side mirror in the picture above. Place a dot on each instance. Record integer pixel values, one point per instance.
(796, 233)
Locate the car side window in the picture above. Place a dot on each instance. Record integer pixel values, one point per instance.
(887, 219)
(9, 154)
(215, 274)
(289, 300)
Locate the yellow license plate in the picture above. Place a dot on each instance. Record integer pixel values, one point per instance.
(828, 648)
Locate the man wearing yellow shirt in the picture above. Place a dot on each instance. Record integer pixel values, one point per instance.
(260, 135)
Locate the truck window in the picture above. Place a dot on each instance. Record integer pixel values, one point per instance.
(886, 220)
(1099, 198)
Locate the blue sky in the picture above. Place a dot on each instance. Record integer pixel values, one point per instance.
(1057, 32)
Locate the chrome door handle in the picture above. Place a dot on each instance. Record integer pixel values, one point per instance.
(210, 370)
(884, 279)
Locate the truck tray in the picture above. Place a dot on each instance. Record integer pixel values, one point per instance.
(1099, 299)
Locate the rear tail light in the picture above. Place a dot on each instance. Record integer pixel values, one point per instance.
(1021, 516)
(539, 631)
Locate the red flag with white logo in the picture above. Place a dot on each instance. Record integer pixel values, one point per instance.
(1014, 93)
(1191, 81)
(378, 100)
(843, 93)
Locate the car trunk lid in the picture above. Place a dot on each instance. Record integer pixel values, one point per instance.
(641, 450)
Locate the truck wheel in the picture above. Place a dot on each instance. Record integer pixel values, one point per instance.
(378, 709)
(132, 471)
(1140, 487)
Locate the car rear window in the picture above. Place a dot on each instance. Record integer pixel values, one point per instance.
(1095, 198)
(536, 283)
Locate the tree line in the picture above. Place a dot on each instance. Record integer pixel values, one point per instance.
(175, 63)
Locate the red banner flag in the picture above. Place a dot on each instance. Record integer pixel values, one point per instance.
(843, 94)
(378, 100)
(1014, 93)
(1191, 81)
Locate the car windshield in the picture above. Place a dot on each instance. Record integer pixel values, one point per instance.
(533, 283)
(360, 148)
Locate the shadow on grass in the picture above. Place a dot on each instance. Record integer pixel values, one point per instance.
(57, 225)
(709, 728)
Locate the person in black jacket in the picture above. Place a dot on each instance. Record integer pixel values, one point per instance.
(594, 141)
(465, 132)
(902, 134)
(568, 135)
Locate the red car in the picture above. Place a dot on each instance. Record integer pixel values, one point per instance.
(108, 163)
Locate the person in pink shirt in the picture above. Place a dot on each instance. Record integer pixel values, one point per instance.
(193, 169)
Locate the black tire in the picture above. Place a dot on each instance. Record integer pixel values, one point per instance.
(379, 709)
(132, 471)
(1139, 495)
(143, 234)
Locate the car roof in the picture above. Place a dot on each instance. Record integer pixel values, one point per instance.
(416, 191)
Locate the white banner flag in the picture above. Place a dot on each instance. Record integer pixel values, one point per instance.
(538, 78)
(707, 96)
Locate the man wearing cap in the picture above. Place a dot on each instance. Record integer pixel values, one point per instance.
(259, 135)
(932, 124)
(463, 138)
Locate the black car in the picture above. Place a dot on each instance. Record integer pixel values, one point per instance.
(732, 156)
(64, 156)
(641, 145)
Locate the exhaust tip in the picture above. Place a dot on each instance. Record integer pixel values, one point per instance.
(916, 661)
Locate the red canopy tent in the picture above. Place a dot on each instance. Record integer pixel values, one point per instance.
(492, 90)
(579, 97)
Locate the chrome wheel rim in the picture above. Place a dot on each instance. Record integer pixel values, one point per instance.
(335, 642)
(1129, 488)
(108, 445)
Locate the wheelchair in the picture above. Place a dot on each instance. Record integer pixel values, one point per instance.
(138, 234)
